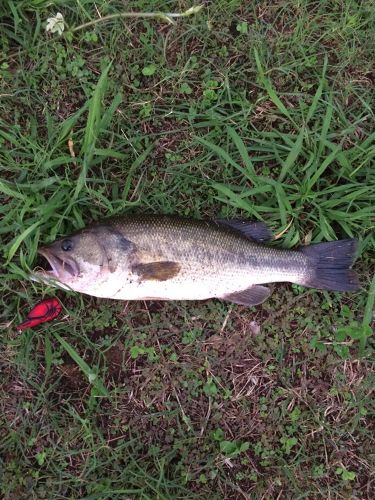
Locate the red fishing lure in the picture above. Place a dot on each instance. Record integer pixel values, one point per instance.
(46, 310)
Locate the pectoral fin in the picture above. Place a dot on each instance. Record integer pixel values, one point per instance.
(158, 271)
(250, 297)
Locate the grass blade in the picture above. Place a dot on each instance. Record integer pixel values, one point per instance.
(270, 90)
(85, 368)
(318, 93)
(243, 152)
(369, 308)
(94, 117)
(326, 163)
(236, 200)
(325, 126)
(20, 238)
(292, 156)
(136, 163)
(93, 127)
(108, 113)
(221, 153)
(69, 123)
(6, 188)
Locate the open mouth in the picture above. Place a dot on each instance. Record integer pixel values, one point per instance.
(58, 267)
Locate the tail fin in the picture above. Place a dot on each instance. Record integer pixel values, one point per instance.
(331, 265)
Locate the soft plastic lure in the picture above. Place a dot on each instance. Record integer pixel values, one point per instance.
(46, 310)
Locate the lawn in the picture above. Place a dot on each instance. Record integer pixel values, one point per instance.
(258, 109)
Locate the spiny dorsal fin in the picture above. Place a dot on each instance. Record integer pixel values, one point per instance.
(252, 296)
(254, 230)
(158, 271)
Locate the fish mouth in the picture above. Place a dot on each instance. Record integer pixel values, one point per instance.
(59, 268)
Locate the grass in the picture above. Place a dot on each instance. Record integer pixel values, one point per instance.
(254, 109)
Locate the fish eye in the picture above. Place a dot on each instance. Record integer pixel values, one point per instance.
(66, 245)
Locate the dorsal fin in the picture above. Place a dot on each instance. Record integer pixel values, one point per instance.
(254, 230)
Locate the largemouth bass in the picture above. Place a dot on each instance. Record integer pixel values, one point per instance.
(165, 257)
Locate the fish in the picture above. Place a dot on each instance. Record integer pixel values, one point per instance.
(166, 257)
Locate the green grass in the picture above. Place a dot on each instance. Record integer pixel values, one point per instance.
(251, 109)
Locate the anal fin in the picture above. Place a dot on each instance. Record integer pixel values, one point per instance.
(252, 296)
(158, 271)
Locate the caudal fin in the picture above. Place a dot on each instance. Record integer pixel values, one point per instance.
(331, 265)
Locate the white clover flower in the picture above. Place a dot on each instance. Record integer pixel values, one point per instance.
(56, 24)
